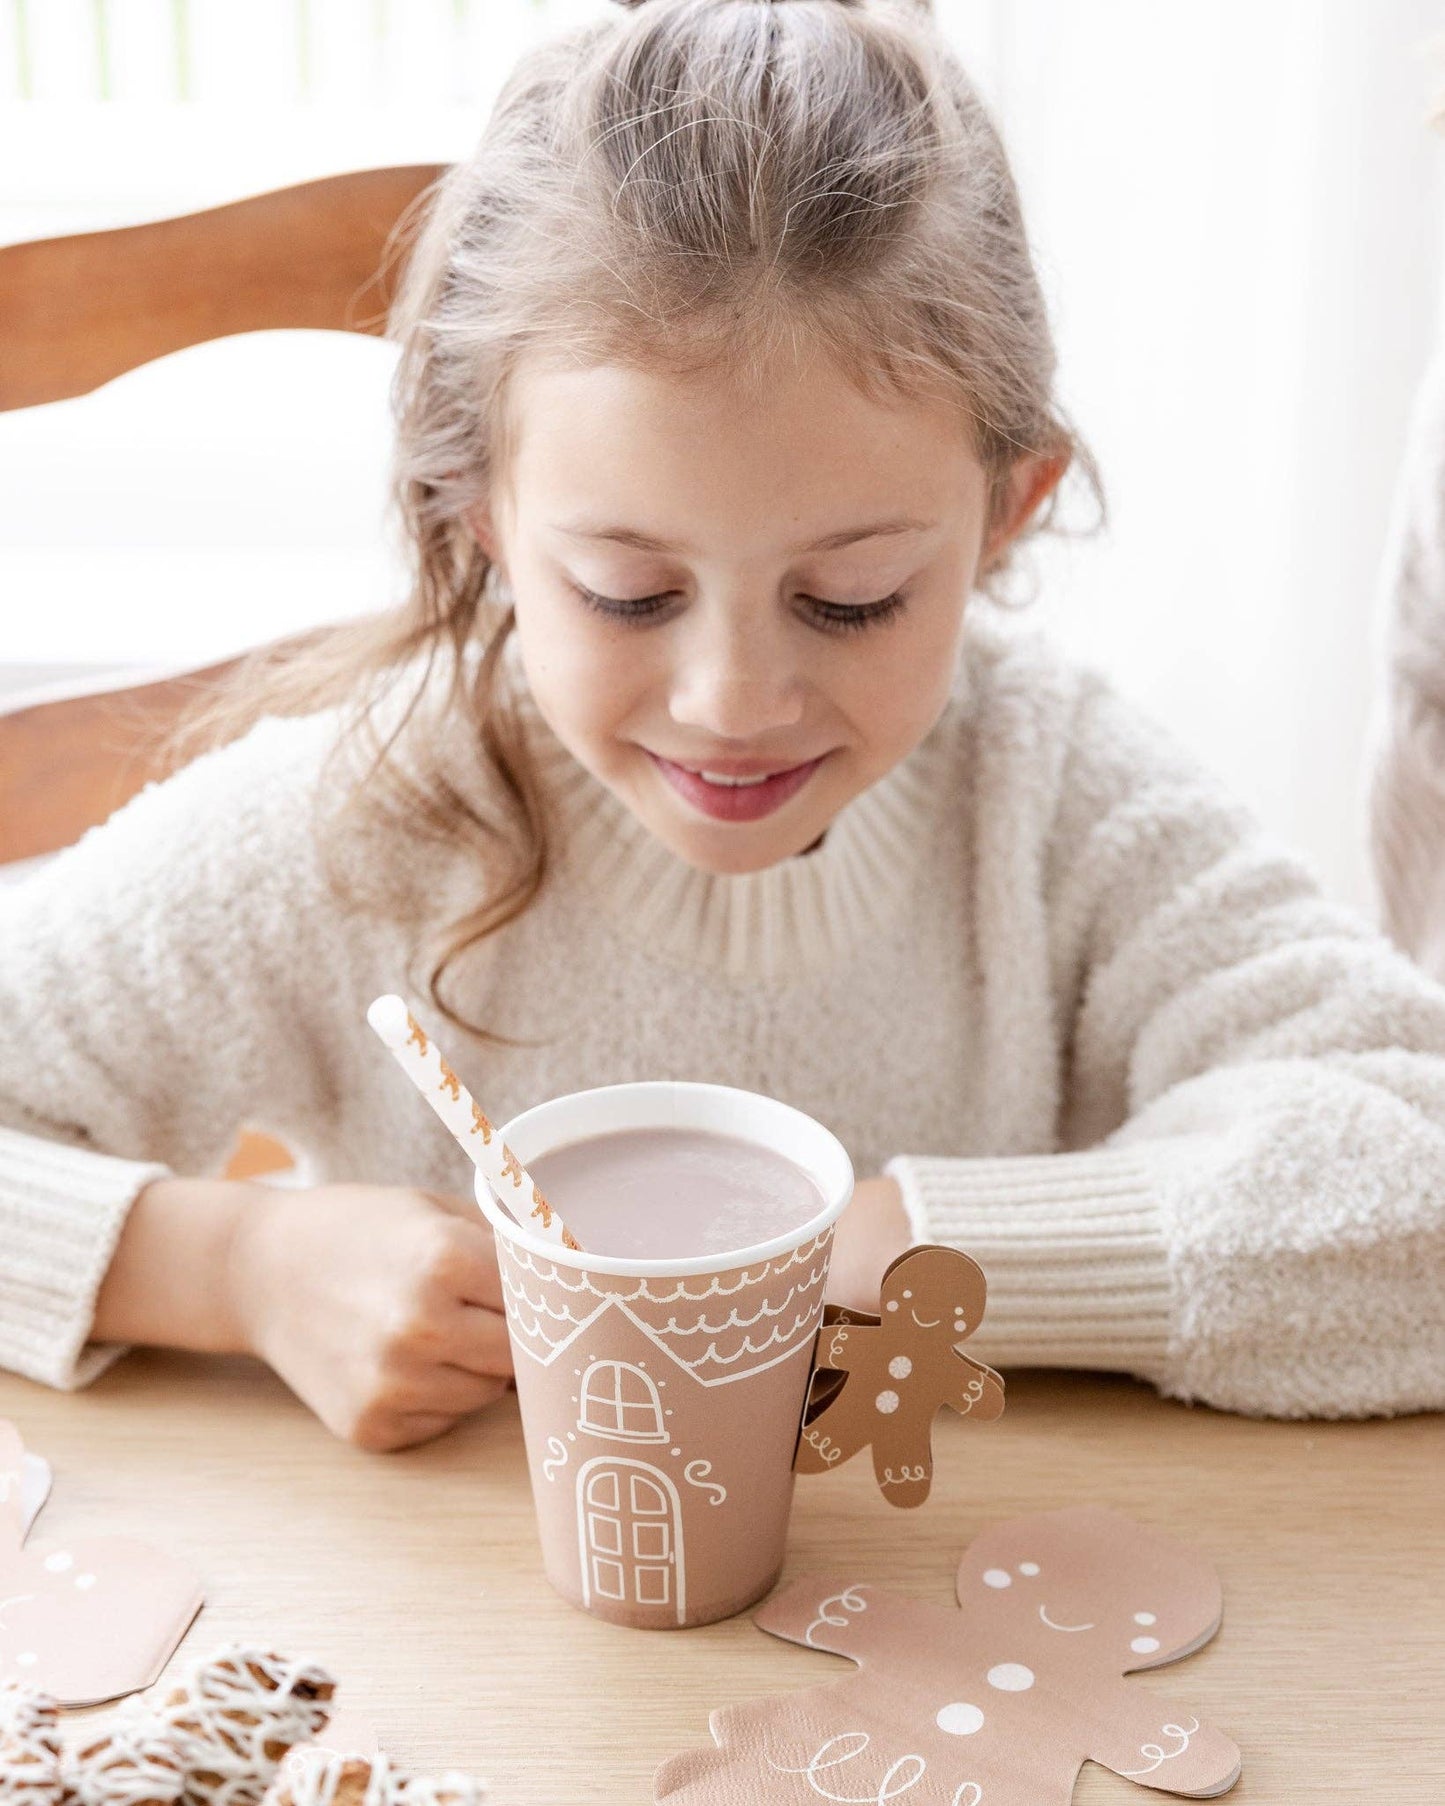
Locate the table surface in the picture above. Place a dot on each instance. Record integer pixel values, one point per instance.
(417, 1579)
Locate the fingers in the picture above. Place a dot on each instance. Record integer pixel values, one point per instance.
(463, 1263)
(419, 1427)
(451, 1391)
(476, 1340)
(416, 1410)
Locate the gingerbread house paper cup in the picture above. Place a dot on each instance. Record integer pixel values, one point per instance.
(661, 1399)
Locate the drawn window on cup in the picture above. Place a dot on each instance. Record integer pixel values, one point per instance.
(620, 1402)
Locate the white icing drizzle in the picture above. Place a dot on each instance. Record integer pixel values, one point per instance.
(134, 1765)
(230, 1709)
(29, 1747)
(314, 1777)
(449, 1789)
(206, 1745)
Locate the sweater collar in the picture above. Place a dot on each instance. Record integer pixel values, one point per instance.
(801, 916)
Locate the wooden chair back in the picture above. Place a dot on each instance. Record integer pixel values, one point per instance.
(76, 312)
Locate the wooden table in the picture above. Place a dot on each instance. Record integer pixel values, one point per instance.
(417, 1579)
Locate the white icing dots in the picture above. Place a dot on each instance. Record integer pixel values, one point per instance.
(960, 1719)
(997, 1577)
(887, 1403)
(900, 1367)
(1011, 1677)
(1144, 1645)
(893, 1304)
(59, 1562)
(1028, 1569)
(1145, 1618)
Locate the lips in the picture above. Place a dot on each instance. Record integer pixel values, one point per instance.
(758, 795)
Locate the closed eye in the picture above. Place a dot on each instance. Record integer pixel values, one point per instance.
(831, 617)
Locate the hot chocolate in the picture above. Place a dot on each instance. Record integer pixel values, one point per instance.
(672, 1194)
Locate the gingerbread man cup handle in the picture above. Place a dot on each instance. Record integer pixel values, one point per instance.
(879, 1381)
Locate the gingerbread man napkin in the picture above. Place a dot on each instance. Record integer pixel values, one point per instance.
(87, 1619)
(999, 1703)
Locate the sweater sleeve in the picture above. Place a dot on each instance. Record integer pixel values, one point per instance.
(1247, 1204)
(150, 1002)
(1407, 798)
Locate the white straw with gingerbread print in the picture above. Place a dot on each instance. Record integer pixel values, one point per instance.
(421, 1060)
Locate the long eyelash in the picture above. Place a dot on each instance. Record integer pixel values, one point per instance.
(839, 619)
(637, 610)
(833, 617)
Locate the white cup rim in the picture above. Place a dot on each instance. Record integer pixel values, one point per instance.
(827, 1164)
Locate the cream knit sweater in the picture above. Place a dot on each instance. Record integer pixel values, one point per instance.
(1188, 1116)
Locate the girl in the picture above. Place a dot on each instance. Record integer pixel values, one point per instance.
(725, 385)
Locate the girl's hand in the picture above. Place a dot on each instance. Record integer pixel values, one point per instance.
(381, 1308)
(872, 1232)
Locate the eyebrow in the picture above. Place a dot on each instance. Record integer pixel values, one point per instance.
(642, 542)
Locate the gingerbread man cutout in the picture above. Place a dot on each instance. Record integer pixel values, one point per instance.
(897, 1369)
(90, 1618)
(999, 1704)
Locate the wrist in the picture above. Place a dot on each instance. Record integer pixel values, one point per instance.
(250, 1263)
(168, 1283)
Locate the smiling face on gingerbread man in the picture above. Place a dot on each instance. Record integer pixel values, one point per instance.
(1120, 1598)
(933, 1290)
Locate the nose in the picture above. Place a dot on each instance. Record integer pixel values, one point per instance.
(734, 678)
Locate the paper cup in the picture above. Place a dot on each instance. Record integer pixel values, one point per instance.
(661, 1399)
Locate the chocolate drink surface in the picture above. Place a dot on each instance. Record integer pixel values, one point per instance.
(674, 1194)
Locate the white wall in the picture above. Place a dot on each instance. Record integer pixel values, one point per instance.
(1237, 209)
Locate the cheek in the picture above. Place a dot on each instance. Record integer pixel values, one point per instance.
(586, 678)
(896, 688)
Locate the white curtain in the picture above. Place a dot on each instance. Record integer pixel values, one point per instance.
(1238, 212)
(1239, 208)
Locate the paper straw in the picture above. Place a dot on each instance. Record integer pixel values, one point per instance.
(420, 1059)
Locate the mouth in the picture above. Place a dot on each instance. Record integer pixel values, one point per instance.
(1052, 1626)
(732, 792)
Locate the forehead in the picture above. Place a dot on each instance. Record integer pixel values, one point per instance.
(803, 448)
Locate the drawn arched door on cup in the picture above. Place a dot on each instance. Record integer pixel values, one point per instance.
(629, 1532)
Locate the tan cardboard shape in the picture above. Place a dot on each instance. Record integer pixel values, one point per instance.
(898, 1369)
(36, 1480)
(997, 1704)
(660, 1417)
(87, 1619)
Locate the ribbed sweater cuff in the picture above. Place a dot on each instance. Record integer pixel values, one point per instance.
(61, 1214)
(1072, 1248)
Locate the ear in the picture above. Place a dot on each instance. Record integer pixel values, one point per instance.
(1031, 481)
(479, 523)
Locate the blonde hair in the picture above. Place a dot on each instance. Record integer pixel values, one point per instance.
(687, 183)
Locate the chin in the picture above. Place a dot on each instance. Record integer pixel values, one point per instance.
(725, 856)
